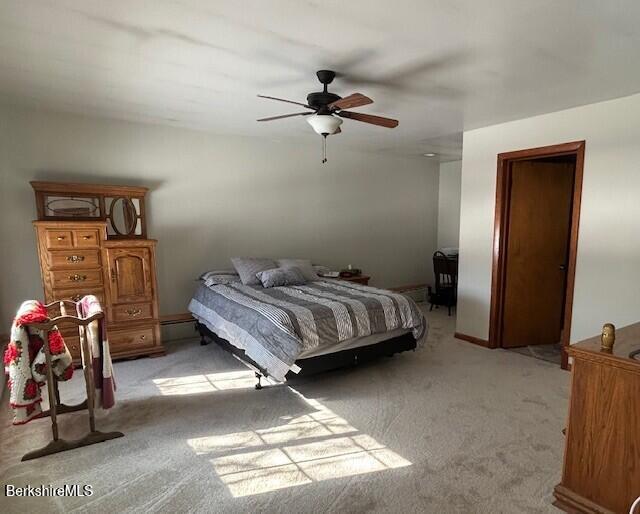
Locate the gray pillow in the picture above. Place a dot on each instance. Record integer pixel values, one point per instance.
(219, 277)
(247, 267)
(281, 277)
(214, 272)
(303, 265)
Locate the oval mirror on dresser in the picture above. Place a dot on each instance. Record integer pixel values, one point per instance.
(123, 216)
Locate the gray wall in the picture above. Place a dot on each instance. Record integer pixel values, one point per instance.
(449, 204)
(607, 286)
(214, 197)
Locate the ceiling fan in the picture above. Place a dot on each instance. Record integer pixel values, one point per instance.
(326, 110)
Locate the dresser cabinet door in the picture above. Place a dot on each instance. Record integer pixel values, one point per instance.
(129, 274)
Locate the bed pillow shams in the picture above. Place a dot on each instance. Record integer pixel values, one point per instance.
(247, 267)
(281, 277)
(220, 277)
(214, 272)
(303, 265)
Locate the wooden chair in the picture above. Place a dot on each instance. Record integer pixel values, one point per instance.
(445, 271)
(55, 405)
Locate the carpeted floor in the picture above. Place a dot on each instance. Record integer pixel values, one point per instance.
(547, 352)
(450, 428)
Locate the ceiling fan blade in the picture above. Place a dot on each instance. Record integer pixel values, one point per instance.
(351, 101)
(369, 118)
(287, 101)
(285, 116)
(417, 77)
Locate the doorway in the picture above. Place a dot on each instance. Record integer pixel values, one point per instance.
(535, 244)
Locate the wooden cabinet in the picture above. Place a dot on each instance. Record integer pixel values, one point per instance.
(133, 316)
(130, 272)
(76, 259)
(601, 471)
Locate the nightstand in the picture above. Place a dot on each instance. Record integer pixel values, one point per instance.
(359, 279)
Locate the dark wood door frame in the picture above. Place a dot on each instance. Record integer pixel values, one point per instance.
(501, 229)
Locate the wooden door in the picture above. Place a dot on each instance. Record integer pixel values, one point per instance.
(130, 275)
(537, 252)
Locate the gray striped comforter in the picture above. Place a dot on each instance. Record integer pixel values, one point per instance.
(274, 325)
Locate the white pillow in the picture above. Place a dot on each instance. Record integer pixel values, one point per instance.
(303, 264)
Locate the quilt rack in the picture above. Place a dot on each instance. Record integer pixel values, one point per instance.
(56, 407)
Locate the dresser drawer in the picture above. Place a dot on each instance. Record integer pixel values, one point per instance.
(133, 339)
(73, 259)
(132, 312)
(73, 345)
(59, 239)
(86, 238)
(77, 293)
(71, 338)
(76, 278)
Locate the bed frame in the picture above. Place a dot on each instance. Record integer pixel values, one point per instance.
(321, 363)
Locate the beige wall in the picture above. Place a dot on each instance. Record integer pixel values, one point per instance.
(607, 284)
(214, 197)
(449, 204)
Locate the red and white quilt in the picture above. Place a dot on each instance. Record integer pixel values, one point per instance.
(25, 361)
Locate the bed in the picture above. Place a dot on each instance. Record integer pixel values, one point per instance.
(320, 325)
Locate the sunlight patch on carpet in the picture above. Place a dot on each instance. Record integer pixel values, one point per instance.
(314, 447)
(197, 384)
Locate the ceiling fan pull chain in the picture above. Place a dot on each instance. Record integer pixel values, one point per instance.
(324, 149)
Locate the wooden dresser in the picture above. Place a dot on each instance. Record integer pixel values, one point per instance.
(80, 257)
(601, 471)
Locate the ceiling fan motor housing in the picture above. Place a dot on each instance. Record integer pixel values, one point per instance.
(320, 100)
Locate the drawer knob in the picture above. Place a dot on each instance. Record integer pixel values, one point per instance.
(75, 258)
(143, 337)
(77, 278)
(134, 312)
(60, 238)
(86, 237)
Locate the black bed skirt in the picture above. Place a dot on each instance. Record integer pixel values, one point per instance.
(327, 362)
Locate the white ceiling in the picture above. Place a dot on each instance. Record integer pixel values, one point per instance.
(440, 67)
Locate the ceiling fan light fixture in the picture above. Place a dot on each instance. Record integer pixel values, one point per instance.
(324, 124)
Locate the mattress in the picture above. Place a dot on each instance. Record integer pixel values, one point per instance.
(356, 342)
